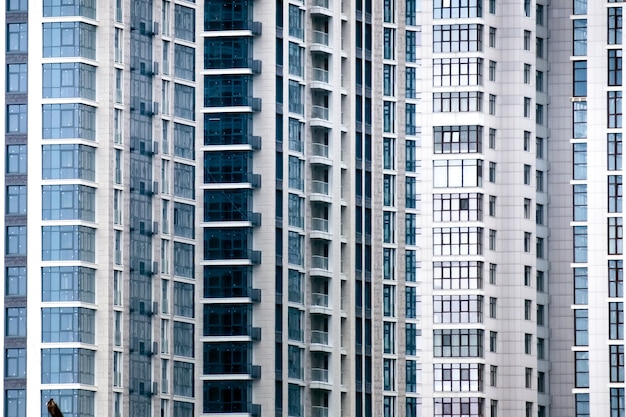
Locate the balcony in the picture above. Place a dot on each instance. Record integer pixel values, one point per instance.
(319, 375)
(319, 300)
(320, 154)
(319, 337)
(319, 262)
(319, 411)
(320, 38)
(320, 112)
(321, 7)
(320, 80)
(319, 225)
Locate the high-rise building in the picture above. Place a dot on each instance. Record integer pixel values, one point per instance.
(318, 208)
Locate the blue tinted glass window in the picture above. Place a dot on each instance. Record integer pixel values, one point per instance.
(183, 339)
(15, 240)
(184, 101)
(68, 324)
(183, 299)
(185, 23)
(86, 8)
(15, 363)
(69, 80)
(69, 162)
(15, 402)
(68, 283)
(68, 202)
(69, 39)
(17, 118)
(17, 37)
(67, 366)
(17, 78)
(184, 62)
(15, 200)
(65, 243)
(16, 159)
(184, 141)
(183, 260)
(73, 403)
(15, 322)
(69, 121)
(15, 281)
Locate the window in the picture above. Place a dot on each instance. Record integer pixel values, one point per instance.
(69, 39)
(15, 322)
(413, 41)
(539, 114)
(527, 238)
(540, 248)
(68, 243)
(492, 6)
(457, 377)
(527, 40)
(539, 17)
(528, 378)
(527, 8)
(527, 104)
(492, 138)
(17, 37)
(457, 173)
(457, 72)
(456, 38)
(541, 348)
(580, 78)
(616, 361)
(17, 5)
(580, 202)
(458, 139)
(527, 274)
(580, 119)
(616, 396)
(540, 281)
(69, 121)
(471, 406)
(457, 309)
(68, 202)
(15, 281)
(457, 241)
(539, 147)
(615, 193)
(492, 205)
(15, 200)
(67, 80)
(580, 6)
(614, 25)
(527, 182)
(457, 101)
(582, 369)
(539, 45)
(15, 399)
(539, 81)
(526, 141)
(541, 382)
(15, 240)
(580, 161)
(63, 366)
(492, 172)
(528, 305)
(615, 236)
(493, 268)
(492, 104)
(492, 239)
(581, 327)
(493, 302)
(450, 343)
(16, 118)
(15, 363)
(539, 178)
(616, 278)
(492, 37)
(580, 37)
(17, 78)
(457, 275)
(493, 341)
(527, 71)
(614, 109)
(492, 70)
(614, 151)
(615, 67)
(539, 214)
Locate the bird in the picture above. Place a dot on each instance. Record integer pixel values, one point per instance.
(53, 408)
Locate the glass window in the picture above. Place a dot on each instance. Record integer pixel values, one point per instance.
(17, 118)
(15, 200)
(68, 202)
(580, 78)
(68, 243)
(15, 322)
(17, 37)
(580, 37)
(69, 39)
(184, 23)
(86, 8)
(614, 25)
(17, 78)
(457, 38)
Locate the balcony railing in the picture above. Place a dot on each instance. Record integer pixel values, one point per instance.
(320, 37)
(320, 112)
(319, 336)
(319, 262)
(319, 375)
(319, 149)
(321, 3)
(319, 225)
(318, 299)
(320, 74)
(319, 187)
(319, 411)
